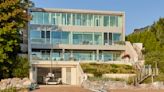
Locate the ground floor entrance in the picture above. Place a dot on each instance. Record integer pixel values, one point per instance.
(67, 74)
(42, 73)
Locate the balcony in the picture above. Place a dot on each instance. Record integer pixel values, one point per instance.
(78, 47)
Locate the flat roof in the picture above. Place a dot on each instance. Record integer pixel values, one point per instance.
(98, 12)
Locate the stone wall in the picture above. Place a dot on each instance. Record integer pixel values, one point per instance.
(14, 82)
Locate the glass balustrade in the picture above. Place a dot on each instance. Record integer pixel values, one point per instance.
(104, 56)
(75, 38)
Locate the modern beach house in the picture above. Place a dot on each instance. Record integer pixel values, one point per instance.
(60, 39)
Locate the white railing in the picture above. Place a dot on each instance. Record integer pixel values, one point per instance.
(82, 75)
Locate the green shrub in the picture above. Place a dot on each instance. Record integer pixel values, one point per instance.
(21, 68)
(12, 89)
(104, 79)
(99, 69)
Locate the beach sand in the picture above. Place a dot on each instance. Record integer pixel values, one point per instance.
(137, 90)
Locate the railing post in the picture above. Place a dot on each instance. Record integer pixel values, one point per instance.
(150, 70)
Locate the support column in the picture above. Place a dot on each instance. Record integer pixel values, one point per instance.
(35, 74)
(31, 74)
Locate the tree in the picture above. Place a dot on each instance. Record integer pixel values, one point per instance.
(13, 18)
(153, 41)
(21, 68)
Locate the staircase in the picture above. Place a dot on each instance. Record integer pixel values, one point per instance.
(145, 72)
(82, 76)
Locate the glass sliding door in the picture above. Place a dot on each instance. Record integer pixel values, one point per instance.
(98, 38)
(77, 38)
(47, 37)
(105, 38)
(87, 38)
(110, 38)
(56, 37)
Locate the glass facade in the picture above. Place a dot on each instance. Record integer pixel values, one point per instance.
(76, 19)
(75, 38)
(47, 36)
(56, 55)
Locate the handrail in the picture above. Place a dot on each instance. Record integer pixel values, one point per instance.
(144, 73)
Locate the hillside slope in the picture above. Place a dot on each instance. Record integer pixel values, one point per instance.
(153, 41)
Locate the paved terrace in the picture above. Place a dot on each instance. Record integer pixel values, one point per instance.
(60, 88)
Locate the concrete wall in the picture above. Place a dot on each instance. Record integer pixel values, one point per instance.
(121, 76)
(131, 51)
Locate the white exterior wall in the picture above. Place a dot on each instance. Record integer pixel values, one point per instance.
(63, 75)
(73, 76)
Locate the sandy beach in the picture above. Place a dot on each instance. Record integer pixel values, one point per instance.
(137, 90)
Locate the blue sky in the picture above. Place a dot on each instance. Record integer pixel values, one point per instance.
(139, 13)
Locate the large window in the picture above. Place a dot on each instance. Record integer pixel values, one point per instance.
(83, 38)
(64, 19)
(46, 18)
(106, 21)
(60, 37)
(87, 38)
(76, 19)
(40, 17)
(116, 37)
(35, 37)
(77, 38)
(98, 38)
(112, 21)
(56, 37)
(84, 19)
(65, 37)
(35, 34)
(68, 19)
